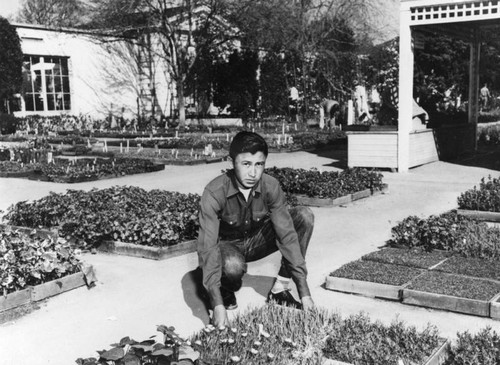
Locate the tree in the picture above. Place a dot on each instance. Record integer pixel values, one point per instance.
(55, 13)
(318, 40)
(171, 26)
(11, 61)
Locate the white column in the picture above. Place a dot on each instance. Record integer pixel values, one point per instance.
(474, 84)
(405, 90)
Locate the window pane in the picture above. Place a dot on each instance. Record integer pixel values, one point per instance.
(59, 101)
(57, 84)
(65, 81)
(37, 81)
(67, 102)
(64, 66)
(38, 102)
(29, 102)
(49, 80)
(50, 102)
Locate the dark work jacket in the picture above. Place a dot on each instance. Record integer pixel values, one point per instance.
(225, 214)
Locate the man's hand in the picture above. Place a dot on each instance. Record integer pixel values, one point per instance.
(220, 317)
(307, 303)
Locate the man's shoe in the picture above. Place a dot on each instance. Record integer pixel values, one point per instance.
(229, 299)
(284, 298)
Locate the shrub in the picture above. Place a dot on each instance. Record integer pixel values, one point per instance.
(450, 232)
(482, 348)
(8, 123)
(485, 198)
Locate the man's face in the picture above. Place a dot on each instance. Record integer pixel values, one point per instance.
(249, 168)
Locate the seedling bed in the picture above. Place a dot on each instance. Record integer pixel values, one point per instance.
(148, 252)
(471, 266)
(438, 357)
(373, 279)
(452, 292)
(346, 199)
(409, 257)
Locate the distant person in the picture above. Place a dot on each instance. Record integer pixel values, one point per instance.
(244, 217)
(485, 96)
(329, 109)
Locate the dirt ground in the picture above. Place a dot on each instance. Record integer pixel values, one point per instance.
(133, 295)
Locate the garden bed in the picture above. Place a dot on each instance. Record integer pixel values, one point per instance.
(452, 292)
(372, 279)
(471, 266)
(42, 233)
(148, 252)
(408, 257)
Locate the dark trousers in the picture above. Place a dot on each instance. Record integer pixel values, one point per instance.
(236, 253)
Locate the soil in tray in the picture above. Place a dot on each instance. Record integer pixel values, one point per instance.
(455, 285)
(377, 272)
(408, 257)
(471, 266)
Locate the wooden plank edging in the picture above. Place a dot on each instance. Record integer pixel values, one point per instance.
(480, 215)
(40, 292)
(365, 288)
(148, 252)
(329, 202)
(495, 307)
(446, 302)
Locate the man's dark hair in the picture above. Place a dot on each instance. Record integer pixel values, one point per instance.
(247, 142)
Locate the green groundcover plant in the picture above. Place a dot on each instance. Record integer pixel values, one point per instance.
(450, 232)
(486, 197)
(414, 257)
(278, 335)
(325, 184)
(28, 260)
(123, 213)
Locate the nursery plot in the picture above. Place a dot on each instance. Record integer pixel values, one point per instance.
(471, 266)
(451, 292)
(371, 278)
(408, 257)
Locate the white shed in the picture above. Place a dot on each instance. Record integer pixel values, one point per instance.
(408, 146)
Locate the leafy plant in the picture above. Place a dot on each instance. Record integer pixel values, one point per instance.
(436, 232)
(482, 348)
(326, 184)
(485, 198)
(129, 214)
(172, 351)
(26, 259)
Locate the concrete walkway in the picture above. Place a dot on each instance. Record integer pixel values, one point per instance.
(134, 295)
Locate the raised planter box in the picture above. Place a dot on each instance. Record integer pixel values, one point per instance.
(438, 357)
(346, 199)
(408, 257)
(148, 252)
(19, 174)
(42, 291)
(372, 279)
(480, 215)
(414, 295)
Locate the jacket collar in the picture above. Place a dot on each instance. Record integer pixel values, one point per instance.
(233, 185)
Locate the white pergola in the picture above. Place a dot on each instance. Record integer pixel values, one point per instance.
(462, 19)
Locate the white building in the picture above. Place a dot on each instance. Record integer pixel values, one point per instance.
(68, 71)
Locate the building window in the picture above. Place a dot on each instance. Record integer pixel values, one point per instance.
(46, 84)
